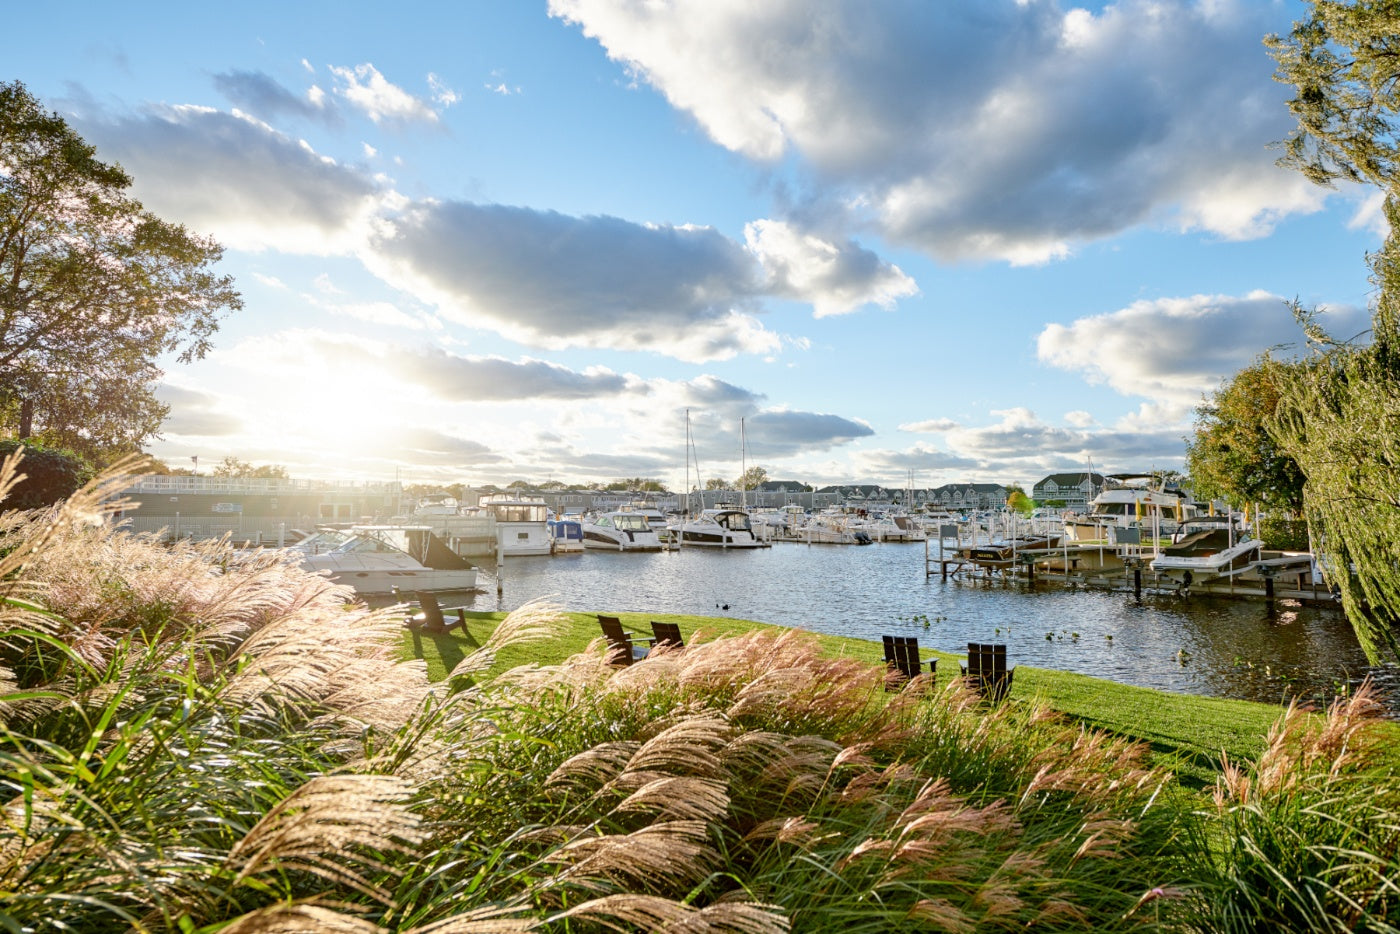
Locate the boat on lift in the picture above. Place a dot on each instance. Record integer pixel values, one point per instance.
(1206, 548)
(1126, 504)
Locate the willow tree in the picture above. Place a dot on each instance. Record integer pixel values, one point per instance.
(94, 289)
(1340, 415)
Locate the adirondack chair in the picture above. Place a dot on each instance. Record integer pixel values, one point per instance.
(666, 634)
(902, 659)
(622, 643)
(430, 616)
(986, 670)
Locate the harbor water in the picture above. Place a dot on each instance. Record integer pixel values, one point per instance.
(1244, 649)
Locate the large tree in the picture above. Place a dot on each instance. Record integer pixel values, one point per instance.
(1340, 420)
(94, 289)
(1233, 455)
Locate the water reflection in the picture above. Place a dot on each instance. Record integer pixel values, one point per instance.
(1222, 648)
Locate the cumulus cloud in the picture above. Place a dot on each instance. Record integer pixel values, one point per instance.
(930, 426)
(238, 179)
(1021, 444)
(364, 88)
(557, 281)
(1011, 129)
(1174, 350)
(835, 277)
(265, 98)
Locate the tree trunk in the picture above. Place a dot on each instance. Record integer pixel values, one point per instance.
(26, 418)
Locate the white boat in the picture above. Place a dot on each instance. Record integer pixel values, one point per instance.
(1205, 548)
(722, 527)
(620, 530)
(522, 525)
(436, 504)
(378, 559)
(1129, 505)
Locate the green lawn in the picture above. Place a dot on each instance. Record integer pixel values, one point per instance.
(1184, 732)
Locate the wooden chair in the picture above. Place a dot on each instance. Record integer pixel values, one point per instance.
(430, 617)
(902, 659)
(666, 634)
(622, 643)
(986, 670)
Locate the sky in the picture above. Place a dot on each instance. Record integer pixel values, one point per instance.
(903, 242)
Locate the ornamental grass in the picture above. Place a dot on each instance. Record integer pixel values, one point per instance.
(196, 739)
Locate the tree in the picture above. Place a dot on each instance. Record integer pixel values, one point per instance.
(752, 479)
(1234, 455)
(233, 467)
(49, 475)
(93, 289)
(717, 483)
(1339, 416)
(1018, 501)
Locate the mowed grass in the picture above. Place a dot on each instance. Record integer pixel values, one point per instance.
(1185, 733)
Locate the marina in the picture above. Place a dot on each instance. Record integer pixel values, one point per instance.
(1197, 644)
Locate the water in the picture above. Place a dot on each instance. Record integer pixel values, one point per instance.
(1220, 648)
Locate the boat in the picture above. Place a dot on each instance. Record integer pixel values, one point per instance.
(1205, 548)
(565, 535)
(522, 525)
(1003, 553)
(376, 559)
(720, 527)
(436, 504)
(620, 530)
(1126, 505)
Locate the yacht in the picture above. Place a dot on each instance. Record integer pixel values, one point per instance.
(620, 530)
(377, 559)
(1129, 505)
(522, 525)
(721, 527)
(1207, 547)
(565, 534)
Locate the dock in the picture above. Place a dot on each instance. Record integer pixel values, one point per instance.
(1127, 569)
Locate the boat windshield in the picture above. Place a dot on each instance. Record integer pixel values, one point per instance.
(633, 522)
(734, 521)
(363, 545)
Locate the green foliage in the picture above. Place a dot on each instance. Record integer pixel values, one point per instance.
(233, 467)
(50, 475)
(1233, 455)
(718, 483)
(752, 479)
(93, 289)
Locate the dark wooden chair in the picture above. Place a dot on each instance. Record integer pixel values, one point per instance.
(902, 659)
(430, 616)
(986, 670)
(622, 643)
(666, 634)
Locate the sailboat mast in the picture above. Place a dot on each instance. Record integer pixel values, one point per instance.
(743, 468)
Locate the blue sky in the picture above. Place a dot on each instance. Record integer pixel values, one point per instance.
(930, 241)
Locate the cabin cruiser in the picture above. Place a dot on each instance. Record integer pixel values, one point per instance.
(377, 559)
(1002, 554)
(1207, 547)
(522, 525)
(1127, 505)
(620, 530)
(721, 527)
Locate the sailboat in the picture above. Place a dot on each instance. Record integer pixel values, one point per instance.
(724, 526)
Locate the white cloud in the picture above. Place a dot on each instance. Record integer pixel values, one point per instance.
(442, 94)
(1012, 130)
(835, 278)
(555, 281)
(1172, 351)
(238, 179)
(930, 426)
(365, 88)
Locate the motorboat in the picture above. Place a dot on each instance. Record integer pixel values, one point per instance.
(620, 530)
(1205, 548)
(1126, 505)
(437, 504)
(1003, 553)
(377, 559)
(721, 527)
(565, 535)
(522, 525)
